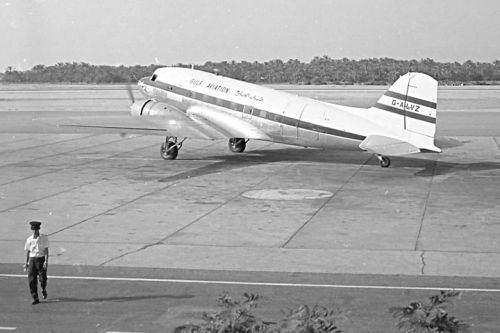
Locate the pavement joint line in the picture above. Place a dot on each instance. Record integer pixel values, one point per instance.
(250, 283)
(15, 141)
(60, 192)
(53, 194)
(211, 211)
(46, 144)
(431, 183)
(113, 208)
(495, 140)
(77, 166)
(325, 203)
(48, 196)
(117, 157)
(164, 239)
(395, 250)
(57, 154)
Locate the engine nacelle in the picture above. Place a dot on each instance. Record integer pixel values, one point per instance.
(150, 107)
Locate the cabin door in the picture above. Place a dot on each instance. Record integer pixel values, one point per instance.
(291, 119)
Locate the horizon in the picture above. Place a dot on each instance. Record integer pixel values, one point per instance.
(241, 61)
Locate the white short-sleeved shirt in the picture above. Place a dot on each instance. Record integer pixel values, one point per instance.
(37, 246)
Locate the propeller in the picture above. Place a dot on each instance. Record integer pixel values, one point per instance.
(132, 98)
(130, 93)
(129, 88)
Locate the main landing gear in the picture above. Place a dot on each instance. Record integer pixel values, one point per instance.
(384, 161)
(237, 145)
(170, 148)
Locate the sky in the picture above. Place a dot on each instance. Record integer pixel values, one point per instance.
(143, 32)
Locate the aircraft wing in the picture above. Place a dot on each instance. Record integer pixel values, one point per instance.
(150, 125)
(105, 122)
(228, 125)
(384, 145)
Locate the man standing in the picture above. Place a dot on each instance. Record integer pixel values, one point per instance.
(37, 260)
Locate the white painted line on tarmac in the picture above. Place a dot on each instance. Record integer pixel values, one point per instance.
(7, 328)
(268, 284)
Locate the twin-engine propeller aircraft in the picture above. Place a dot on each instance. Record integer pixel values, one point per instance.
(186, 103)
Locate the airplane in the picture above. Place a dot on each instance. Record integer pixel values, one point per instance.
(187, 103)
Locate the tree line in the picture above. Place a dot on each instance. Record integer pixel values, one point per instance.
(320, 70)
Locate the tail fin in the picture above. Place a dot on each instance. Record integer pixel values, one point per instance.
(410, 104)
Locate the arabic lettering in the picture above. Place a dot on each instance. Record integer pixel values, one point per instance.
(249, 95)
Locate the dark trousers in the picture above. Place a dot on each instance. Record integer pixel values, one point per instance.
(35, 269)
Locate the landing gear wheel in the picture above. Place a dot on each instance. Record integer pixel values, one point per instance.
(384, 161)
(169, 150)
(237, 145)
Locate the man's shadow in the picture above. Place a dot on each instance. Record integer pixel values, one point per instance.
(116, 299)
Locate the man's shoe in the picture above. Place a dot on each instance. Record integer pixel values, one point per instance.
(36, 301)
(44, 294)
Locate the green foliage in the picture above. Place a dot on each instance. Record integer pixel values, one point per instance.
(236, 316)
(320, 70)
(429, 316)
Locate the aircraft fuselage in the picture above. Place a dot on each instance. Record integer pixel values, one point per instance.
(269, 114)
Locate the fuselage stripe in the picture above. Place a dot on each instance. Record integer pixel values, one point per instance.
(264, 114)
(409, 114)
(411, 99)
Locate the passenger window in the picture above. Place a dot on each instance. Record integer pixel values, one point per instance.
(153, 78)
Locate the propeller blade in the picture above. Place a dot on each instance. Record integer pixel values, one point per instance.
(130, 93)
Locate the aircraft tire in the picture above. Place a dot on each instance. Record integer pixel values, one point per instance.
(385, 161)
(171, 154)
(237, 145)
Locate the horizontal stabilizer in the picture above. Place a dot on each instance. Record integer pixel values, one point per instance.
(385, 145)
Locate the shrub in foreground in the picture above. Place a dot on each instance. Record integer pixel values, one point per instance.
(236, 316)
(429, 316)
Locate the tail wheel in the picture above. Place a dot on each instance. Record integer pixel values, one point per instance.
(169, 150)
(384, 161)
(237, 145)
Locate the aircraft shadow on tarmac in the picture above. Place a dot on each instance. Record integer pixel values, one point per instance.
(115, 298)
(427, 163)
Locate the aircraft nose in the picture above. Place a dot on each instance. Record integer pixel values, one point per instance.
(142, 85)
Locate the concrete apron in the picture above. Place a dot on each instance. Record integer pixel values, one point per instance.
(346, 215)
